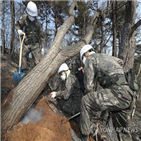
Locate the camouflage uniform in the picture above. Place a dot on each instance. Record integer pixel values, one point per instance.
(116, 96)
(71, 95)
(34, 39)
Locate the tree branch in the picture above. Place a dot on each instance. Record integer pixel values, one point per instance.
(73, 5)
(135, 27)
(75, 48)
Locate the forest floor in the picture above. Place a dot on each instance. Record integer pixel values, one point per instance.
(50, 127)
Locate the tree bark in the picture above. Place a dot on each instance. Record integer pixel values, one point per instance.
(102, 40)
(127, 48)
(56, 18)
(114, 53)
(3, 27)
(23, 96)
(12, 8)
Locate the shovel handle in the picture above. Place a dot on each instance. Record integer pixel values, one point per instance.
(73, 116)
(21, 45)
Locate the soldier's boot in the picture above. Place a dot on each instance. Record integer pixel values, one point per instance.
(83, 138)
(96, 131)
(25, 70)
(24, 67)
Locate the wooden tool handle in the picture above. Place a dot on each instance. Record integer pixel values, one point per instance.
(21, 45)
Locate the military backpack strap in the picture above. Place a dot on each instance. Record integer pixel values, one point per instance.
(107, 80)
(103, 77)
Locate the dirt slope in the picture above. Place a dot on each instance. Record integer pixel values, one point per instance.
(8, 67)
(51, 127)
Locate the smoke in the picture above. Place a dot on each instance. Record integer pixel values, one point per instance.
(32, 115)
(44, 51)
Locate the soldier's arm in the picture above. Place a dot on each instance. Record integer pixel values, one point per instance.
(69, 88)
(89, 76)
(20, 23)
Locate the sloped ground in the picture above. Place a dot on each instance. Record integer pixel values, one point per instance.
(51, 127)
(8, 67)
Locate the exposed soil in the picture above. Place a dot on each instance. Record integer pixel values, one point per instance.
(8, 67)
(51, 127)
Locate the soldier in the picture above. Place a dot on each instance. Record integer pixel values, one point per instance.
(72, 93)
(34, 39)
(116, 96)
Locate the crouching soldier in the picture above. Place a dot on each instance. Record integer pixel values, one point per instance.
(34, 38)
(68, 99)
(115, 96)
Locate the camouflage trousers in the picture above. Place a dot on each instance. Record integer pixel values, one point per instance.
(36, 54)
(70, 106)
(115, 99)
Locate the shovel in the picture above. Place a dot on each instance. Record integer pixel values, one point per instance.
(18, 76)
(73, 116)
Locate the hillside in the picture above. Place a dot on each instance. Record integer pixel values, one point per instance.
(50, 127)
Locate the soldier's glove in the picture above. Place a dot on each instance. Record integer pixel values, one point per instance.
(53, 94)
(20, 32)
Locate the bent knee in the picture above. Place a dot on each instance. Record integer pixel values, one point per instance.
(85, 102)
(84, 99)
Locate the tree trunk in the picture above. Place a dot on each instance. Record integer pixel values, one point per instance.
(114, 53)
(56, 20)
(3, 27)
(127, 48)
(23, 96)
(102, 40)
(84, 26)
(12, 8)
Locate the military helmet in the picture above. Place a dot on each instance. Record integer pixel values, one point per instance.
(63, 67)
(84, 49)
(31, 9)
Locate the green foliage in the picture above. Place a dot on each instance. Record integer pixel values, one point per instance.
(58, 11)
(83, 17)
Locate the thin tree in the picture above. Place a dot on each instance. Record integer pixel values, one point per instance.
(114, 6)
(3, 26)
(12, 8)
(83, 18)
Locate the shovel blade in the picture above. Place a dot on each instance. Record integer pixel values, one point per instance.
(18, 77)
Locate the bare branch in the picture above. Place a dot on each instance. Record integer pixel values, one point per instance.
(73, 5)
(135, 27)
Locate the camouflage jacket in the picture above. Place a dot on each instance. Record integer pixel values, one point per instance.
(33, 30)
(96, 64)
(72, 88)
